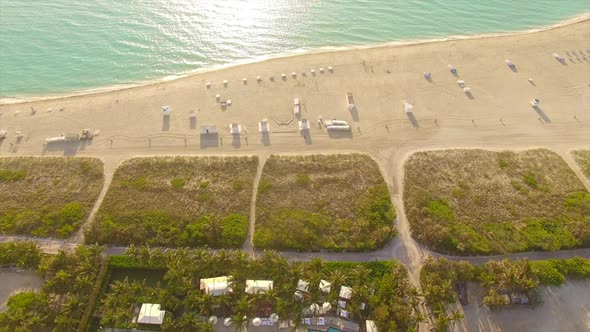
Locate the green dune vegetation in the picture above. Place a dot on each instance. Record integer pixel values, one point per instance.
(47, 197)
(483, 202)
(582, 157)
(323, 202)
(177, 201)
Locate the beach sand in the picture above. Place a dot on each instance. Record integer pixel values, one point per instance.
(497, 113)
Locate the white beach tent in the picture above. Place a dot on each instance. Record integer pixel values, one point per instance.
(213, 320)
(215, 286)
(258, 286)
(166, 110)
(151, 314)
(208, 129)
(264, 126)
(345, 292)
(326, 307)
(296, 106)
(314, 308)
(370, 326)
(325, 286)
(235, 129)
(409, 108)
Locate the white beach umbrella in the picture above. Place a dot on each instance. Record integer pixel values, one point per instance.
(227, 322)
(213, 320)
(274, 317)
(314, 308)
(256, 321)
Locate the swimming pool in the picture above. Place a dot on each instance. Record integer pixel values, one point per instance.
(331, 329)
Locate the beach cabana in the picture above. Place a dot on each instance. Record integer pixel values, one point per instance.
(312, 71)
(208, 129)
(258, 78)
(213, 320)
(314, 308)
(215, 286)
(304, 125)
(165, 110)
(558, 57)
(235, 129)
(330, 69)
(535, 102)
(257, 321)
(345, 293)
(409, 108)
(350, 101)
(321, 70)
(294, 74)
(2, 134)
(151, 314)
(467, 89)
(302, 287)
(325, 286)
(510, 64)
(224, 82)
(461, 83)
(258, 286)
(284, 76)
(227, 322)
(296, 107)
(264, 126)
(208, 84)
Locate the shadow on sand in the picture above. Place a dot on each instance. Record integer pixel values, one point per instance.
(337, 134)
(209, 140)
(165, 122)
(542, 114)
(265, 139)
(236, 142)
(413, 119)
(354, 112)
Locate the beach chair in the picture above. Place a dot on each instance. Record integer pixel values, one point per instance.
(558, 57)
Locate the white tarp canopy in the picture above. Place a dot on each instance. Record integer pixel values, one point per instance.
(151, 314)
(325, 286)
(370, 326)
(215, 286)
(258, 286)
(409, 108)
(302, 285)
(345, 292)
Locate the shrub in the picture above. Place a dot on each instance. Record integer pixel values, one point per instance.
(7, 175)
(178, 183)
(547, 273)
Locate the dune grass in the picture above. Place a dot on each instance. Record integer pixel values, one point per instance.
(482, 202)
(47, 197)
(177, 201)
(323, 201)
(582, 157)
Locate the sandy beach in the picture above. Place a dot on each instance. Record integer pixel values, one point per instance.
(497, 113)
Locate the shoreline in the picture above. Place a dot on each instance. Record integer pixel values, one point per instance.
(288, 54)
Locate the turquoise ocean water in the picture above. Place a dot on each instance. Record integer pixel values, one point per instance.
(61, 46)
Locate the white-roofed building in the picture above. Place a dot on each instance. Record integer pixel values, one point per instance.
(258, 286)
(151, 314)
(215, 286)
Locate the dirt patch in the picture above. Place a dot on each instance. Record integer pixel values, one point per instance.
(483, 202)
(323, 201)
